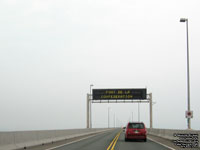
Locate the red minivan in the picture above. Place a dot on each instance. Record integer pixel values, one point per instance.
(136, 130)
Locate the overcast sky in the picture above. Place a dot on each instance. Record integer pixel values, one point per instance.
(52, 50)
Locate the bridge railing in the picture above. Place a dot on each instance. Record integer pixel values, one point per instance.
(176, 135)
(24, 139)
(169, 133)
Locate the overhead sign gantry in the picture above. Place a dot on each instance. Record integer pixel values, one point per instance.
(134, 95)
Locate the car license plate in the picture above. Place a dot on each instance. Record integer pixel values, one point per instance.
(136, 131)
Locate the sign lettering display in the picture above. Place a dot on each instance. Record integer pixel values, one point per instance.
(118, 94)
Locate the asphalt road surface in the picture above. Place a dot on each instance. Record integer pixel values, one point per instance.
(110, 141)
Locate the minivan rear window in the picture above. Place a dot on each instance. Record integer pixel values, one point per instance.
(136, 125)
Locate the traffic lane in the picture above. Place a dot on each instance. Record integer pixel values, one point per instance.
(98, 142)
(136, 144)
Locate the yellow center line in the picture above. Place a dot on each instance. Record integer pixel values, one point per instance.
(113, 143)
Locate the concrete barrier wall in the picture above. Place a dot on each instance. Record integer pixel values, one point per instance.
(21, 139)
(169, 133)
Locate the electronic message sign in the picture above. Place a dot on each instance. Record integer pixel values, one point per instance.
(118, 94)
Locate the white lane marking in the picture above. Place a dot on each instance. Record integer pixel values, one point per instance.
(69, 143)
(161, 144)
(74, 141)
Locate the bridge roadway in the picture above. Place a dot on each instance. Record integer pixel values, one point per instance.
(106, 141)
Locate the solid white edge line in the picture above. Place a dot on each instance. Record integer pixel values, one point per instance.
(161, 143)
(74, 141)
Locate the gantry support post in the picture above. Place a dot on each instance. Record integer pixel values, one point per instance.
(151, 110)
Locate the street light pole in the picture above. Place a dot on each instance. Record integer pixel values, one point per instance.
(132, 116)
(114, 120)
(91, 105)
(108, 117)
(138, 112)
(188, 71)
